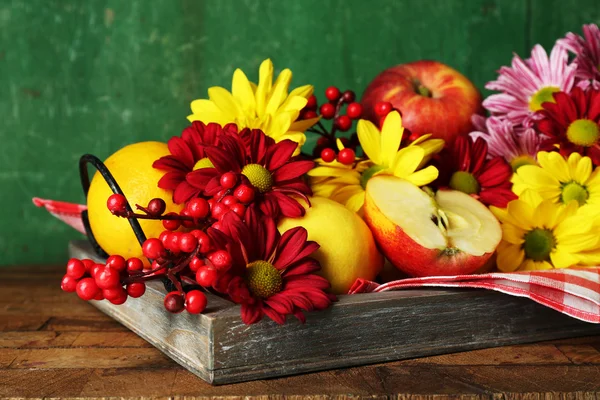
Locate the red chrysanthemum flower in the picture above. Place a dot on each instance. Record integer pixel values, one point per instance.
(262, 163)
(572, 123)
(187, 155)
(271, 274)
(465, 167)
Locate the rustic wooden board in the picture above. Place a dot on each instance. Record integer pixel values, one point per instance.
(357, 330)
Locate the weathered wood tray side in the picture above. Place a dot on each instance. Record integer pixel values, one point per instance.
(357, 330)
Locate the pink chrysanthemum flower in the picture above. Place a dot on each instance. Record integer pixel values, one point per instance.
(529, 83)
(587, 54)
(516, 144)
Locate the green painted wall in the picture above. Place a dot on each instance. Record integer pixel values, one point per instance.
(91, 76)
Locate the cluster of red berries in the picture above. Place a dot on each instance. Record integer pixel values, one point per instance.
(332, 109)
(113, 281)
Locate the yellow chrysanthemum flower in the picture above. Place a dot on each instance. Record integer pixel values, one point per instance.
(561, 180)
(346, 184)
(545, 235)
(266, 106)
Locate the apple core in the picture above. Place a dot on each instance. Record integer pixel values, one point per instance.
(263, 279)
(583, 132)
(464, 182)
(544, 95)
(259, 177)
(538, 244)
(203, 163)
(574, 191)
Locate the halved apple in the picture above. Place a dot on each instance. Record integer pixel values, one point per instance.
(426, 234)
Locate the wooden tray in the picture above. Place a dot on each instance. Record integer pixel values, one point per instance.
(357, 330)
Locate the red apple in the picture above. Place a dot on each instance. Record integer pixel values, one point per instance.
(426, 234)
(432, 97)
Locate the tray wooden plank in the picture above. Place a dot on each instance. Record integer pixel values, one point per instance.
(357, 330)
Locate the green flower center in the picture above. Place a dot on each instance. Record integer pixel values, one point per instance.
(465, 182)
(519, 161)
(574, 191)
(542, 96)
(203, 163)
(539, 244)
(583, 132)
(368, 174)
(259, 177)
(263, 279)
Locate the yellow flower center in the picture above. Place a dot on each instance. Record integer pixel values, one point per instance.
(583, 132)
(259, 177)
(203, 163)
(539, 244)
(263, 279)
(519, 161)
(542, 96)
(465, 182)
(574, 191)
(368, 174)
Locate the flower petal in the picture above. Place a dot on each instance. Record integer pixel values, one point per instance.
(391, 136)
(292, 170)
(370, 140)
(407, 161)
(242, 92)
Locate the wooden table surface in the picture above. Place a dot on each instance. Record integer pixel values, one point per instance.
(54, 345)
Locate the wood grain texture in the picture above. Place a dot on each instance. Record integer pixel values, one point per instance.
(220, 349)
(121, 365)
(80, 77)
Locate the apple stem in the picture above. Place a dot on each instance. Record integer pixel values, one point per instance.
(423, 91)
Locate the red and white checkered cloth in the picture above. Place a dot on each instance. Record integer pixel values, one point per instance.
(573, 291)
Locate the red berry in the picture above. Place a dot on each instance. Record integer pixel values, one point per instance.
(203, 240)
(197, 208)
(87, 289)
(383, 108)
(97, 267)
(156, 207)
(163, 237)
(322, 141)
(220, 194)
(113, 293)
(354, 110)
(217, 226)
(68, 284)
(174, 302)
(311, 103)
(153, 248)
(244, 193)
(186, 222)
(228, 180)
(171, 224)
(88, 264)
(116, 262)
(136, 289)
(172, 242)
(75, 268)
(99, 296)
(332, 93)
(206, 276)
(348, 96)
(195, 301)
(119, 300)
(221, 259)
(211, 203)
(413, 137)
(187, 242)
(343, 122)
(117, 203)
(239, 209)
(134, 265)
(328, 155)
(196, 263)
(327, 110)
(309, 114)
(229, 200)
(218, 210)
(107, 278)
(346, 156)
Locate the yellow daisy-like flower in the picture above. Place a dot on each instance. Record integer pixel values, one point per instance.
(561, 180)
(266, 106)
(346, 184)
(545, 235)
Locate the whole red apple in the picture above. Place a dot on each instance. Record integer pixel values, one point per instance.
(432, 97)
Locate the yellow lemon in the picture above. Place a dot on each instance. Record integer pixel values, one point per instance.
(131, 167)
(347, 251)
